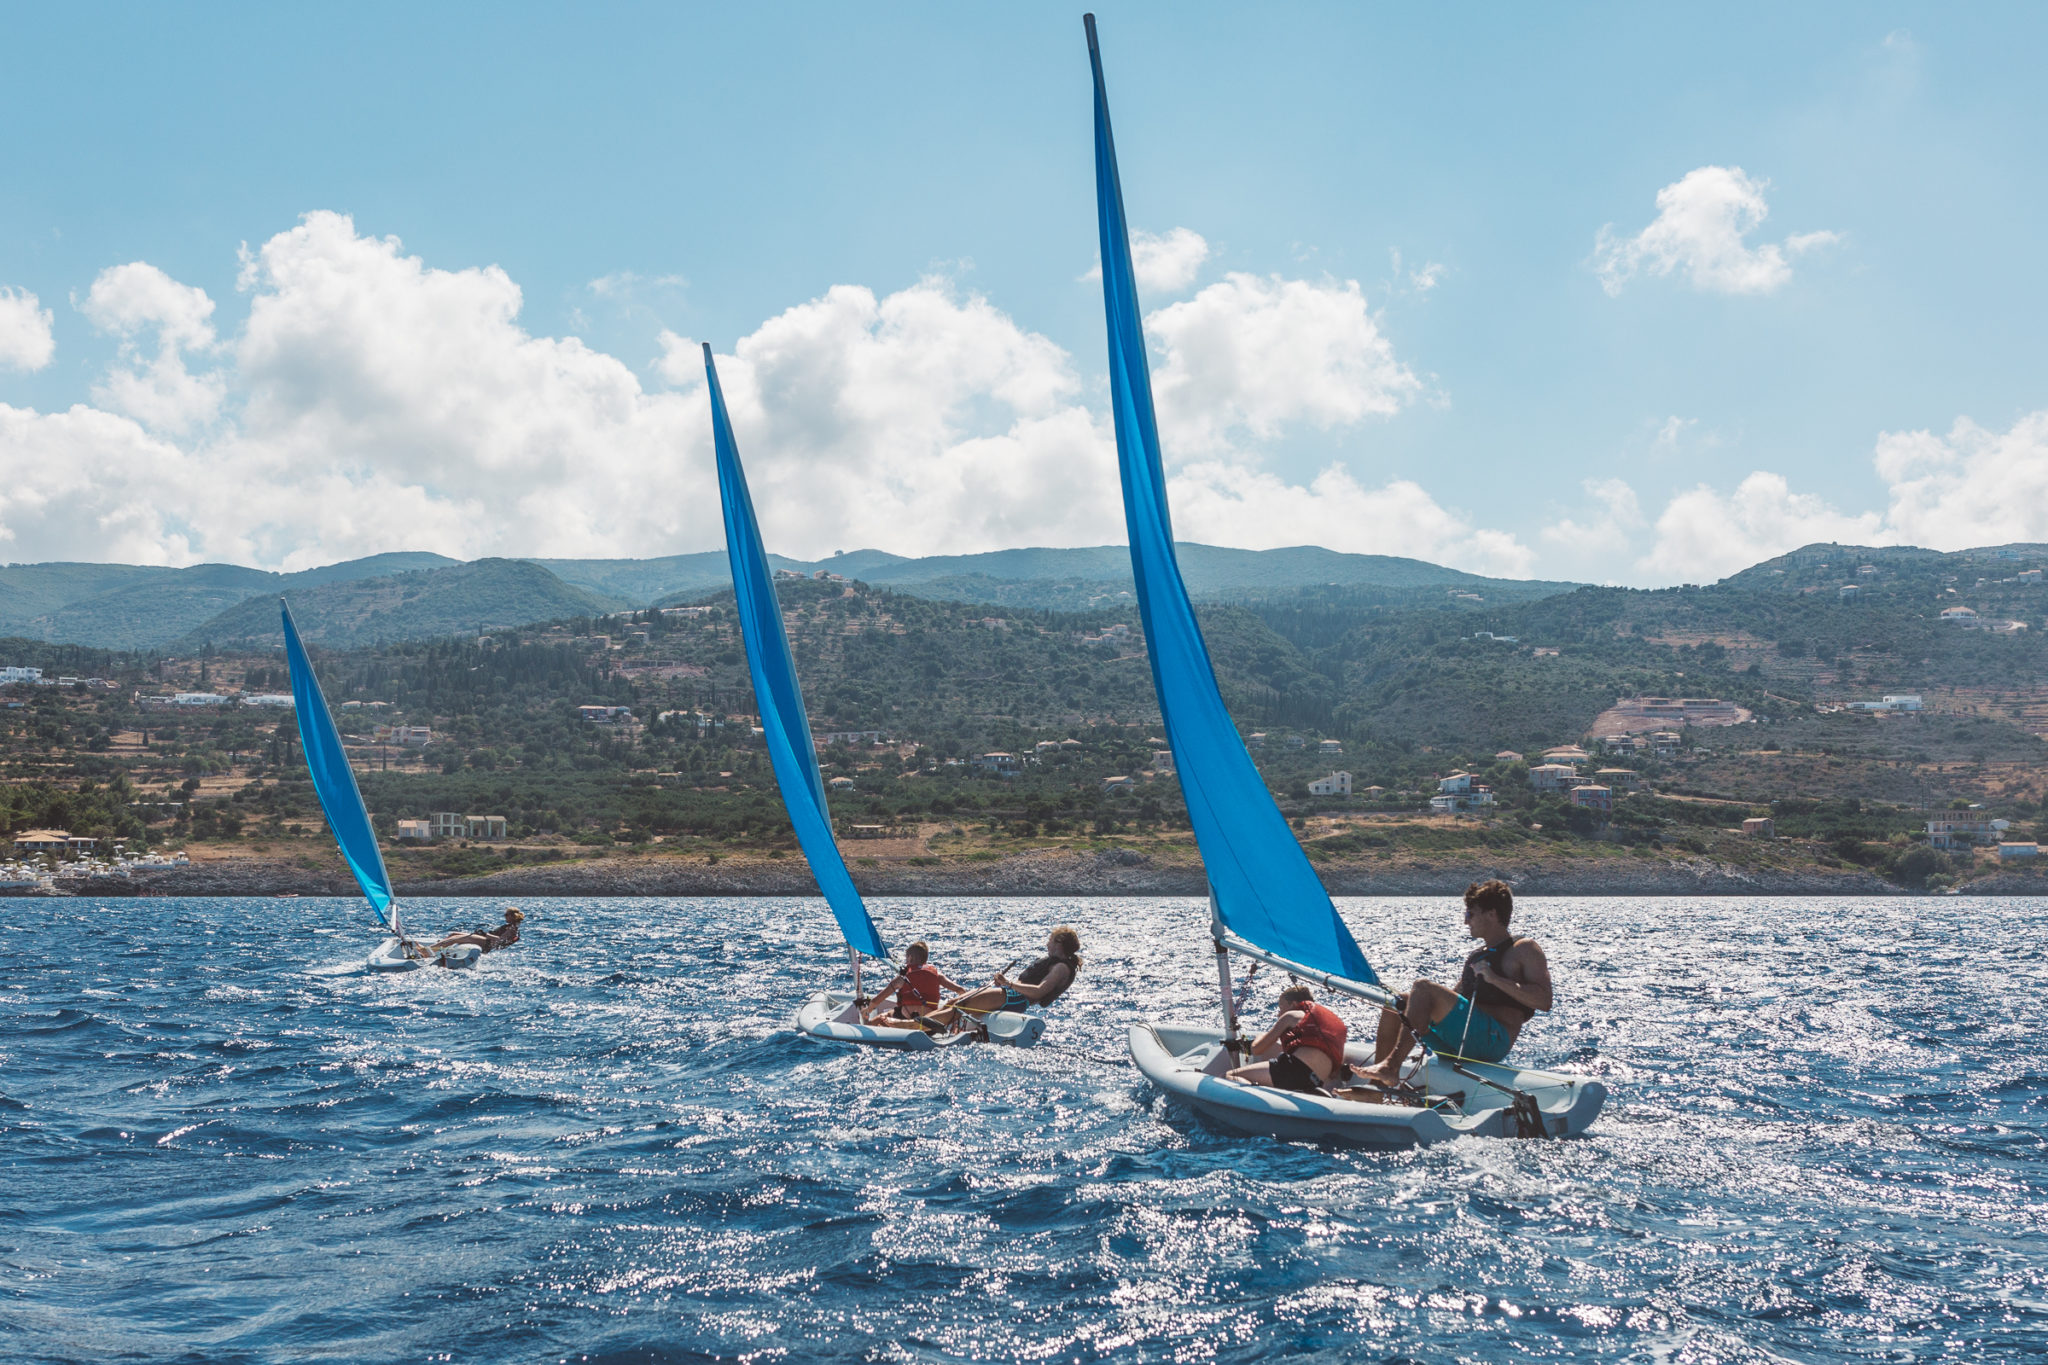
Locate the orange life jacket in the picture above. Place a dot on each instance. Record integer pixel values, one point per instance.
(920, 988)
(1321, 1029)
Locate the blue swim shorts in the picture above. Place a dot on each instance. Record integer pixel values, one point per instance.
(1470, 1033)
(1014, 1003)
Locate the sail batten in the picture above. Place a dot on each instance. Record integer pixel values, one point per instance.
(1264, 889)
(334, 781)
(784, 725)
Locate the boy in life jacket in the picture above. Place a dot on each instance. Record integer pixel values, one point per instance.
(1304, 1050)
(917, 990)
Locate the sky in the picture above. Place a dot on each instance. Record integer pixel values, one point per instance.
(1619, 294)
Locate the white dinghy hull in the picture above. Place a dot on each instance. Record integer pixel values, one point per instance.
(1190, 1064)
(390, 956)
(835, 1018)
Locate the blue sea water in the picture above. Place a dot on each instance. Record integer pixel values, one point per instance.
(1824, 1142)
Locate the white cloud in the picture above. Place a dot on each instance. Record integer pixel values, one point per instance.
(1229, 504)
(924, 421)
(1700, 226)
(1974, 487)
(622, 284)
(372, 402)
(87, 484)
(1163, 264)
(26, 342)
(132, 300)
(1252, 354)
(1704, 535)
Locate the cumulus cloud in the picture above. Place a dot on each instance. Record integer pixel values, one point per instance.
(131, 302)
(1701, 225)
(1229, 504)
(1164, 264)
(1252, 354)
(373, 402)
(1704, 535)
(926, 420)
(26, 342)
(1972, 487)
(89, 484)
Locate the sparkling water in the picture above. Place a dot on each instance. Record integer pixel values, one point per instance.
(223, 1142)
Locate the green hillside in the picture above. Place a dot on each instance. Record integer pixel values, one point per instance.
(487, 594)
(28, 591)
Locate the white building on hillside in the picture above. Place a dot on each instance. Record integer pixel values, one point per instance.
(1336, 784)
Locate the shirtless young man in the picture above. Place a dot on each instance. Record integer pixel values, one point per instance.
(918, 988)
(1505, 983)
(1304, 1050)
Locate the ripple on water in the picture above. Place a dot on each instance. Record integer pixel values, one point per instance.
(1825, 1143)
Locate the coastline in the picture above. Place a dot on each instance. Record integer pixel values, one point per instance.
(1035, 872)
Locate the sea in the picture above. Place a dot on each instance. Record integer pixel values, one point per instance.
(221, 1141)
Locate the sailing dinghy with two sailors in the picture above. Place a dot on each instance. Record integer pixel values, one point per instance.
(834, 1016)
(334, 783)
(1265, 900)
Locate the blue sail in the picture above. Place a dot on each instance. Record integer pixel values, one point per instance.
(783, 723)
(1264, 890)
(334, 782)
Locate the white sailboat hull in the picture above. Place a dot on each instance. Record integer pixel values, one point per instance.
(390, 956)
(835, 1018)
(1190, 1064)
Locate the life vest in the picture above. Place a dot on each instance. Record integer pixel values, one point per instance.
(1487, 996)
(920, 987)
(1321, 1029)
(1041, 969)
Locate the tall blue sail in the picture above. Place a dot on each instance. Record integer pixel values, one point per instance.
(1264, 889)
(334, 782)
(783, 723)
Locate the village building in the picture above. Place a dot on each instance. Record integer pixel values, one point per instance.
(1554, 777)
(1336, 784)
(1960, 829)
(1760, 827)
(1593, 797)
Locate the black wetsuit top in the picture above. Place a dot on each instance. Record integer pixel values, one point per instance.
(1487, 996)
(1042, 968)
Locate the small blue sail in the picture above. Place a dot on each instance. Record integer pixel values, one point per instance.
(1264, 890)
(783, 723)
(334, 782)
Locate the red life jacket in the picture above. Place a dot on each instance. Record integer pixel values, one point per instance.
(1321, 1029)
(920, 988)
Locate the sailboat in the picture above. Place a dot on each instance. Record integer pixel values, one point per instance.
(1266, 902)
(334, 782)
(831, 1015)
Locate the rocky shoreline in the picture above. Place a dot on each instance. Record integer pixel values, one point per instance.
(1038, 872)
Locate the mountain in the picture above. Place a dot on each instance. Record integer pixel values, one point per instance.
(459, 600)
(120, 606)
(131, 607)
(31, 590)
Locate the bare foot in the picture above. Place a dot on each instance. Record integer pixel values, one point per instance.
(1387, 1075)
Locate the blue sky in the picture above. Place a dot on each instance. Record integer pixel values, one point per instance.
(1422, 264)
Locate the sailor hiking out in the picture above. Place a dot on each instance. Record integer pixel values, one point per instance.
(1505, 983)
(1043, 982)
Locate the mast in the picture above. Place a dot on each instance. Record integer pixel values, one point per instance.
(334, 781)
(1261, 884)
(784, 727)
